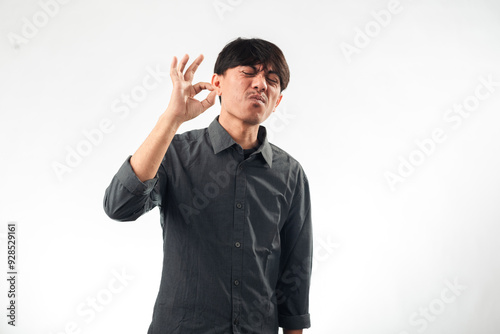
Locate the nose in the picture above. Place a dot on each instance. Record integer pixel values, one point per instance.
(259, 81)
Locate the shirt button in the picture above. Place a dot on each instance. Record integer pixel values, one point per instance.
(239, 205)
(237, 244)
(240, 167)
(236, 282)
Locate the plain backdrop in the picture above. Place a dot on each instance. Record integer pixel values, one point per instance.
(392, 110)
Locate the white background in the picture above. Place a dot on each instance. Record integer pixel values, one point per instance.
(384, 255)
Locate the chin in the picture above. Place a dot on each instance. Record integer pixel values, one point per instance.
(251, 118)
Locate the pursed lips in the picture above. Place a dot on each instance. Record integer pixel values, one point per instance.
(257, 97)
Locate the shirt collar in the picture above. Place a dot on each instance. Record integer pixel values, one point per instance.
(221, 140)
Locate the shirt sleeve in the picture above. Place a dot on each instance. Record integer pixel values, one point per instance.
(292, 290)
(127, 198)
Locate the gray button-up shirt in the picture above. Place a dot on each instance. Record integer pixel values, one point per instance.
(237, 234)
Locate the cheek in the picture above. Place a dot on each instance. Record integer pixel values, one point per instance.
(238, 93)
(273, 100)
(234, 90)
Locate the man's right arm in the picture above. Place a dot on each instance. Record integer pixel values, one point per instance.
(130, 193)
(147, 159)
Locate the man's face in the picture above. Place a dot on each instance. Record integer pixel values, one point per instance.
(240, 88)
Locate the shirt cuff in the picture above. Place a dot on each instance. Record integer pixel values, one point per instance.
(294, 321)
(131, 182)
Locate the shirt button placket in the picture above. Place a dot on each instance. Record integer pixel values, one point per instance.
(237, 254)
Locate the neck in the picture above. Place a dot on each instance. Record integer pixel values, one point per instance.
(243, 133)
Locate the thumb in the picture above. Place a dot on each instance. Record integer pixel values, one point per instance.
(209, 101)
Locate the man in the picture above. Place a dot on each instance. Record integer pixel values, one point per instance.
(235, 209)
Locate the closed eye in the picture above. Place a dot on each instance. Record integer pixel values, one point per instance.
(274, 81)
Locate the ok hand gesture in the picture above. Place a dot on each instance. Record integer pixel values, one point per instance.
(183, 106)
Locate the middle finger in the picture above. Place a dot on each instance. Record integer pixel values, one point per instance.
(182, 63)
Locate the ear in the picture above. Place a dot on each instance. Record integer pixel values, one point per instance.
(216, 82)
(278, 102)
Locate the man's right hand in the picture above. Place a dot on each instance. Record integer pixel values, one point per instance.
(183, 106)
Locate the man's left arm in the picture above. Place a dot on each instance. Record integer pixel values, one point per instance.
(292, 290)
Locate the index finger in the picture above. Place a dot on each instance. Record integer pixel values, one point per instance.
(194, 66)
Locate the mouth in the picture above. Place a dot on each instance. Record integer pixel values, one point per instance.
(258, 98)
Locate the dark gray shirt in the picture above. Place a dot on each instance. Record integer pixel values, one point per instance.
(237, 234)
